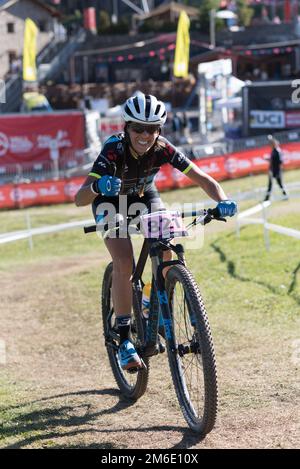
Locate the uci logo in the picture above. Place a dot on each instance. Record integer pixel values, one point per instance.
(266, 119)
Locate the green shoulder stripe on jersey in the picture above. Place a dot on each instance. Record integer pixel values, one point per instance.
(188, 168)
(95, 175)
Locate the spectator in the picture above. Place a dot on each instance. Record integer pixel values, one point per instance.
(265, 16)
(276, 161)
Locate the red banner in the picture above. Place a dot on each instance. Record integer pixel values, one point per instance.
(110, 126)
(39, 138)
(247, 162)
(221, 167)
(6, 200)
(291, 155)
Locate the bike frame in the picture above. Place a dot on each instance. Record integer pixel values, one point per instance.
(159, 299)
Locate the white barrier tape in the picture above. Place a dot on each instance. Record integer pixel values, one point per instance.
(4, 235)
(255, 209)
(242, 218)
(282, 230)
(17, 235)
(252, 221)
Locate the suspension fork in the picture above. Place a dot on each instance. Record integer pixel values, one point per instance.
(157, 268)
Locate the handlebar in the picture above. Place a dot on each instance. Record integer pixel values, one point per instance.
(202, 216)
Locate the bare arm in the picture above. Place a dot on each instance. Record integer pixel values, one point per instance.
(85, 196)
(207, 183)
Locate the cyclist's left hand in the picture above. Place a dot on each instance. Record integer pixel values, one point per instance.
(227, 208)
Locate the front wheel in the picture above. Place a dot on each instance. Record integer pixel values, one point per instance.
(192, 363)
(134, 385)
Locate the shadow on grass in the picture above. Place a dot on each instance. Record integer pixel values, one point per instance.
(47, 418)
(41, 426)
(294, 280)
(231, 269)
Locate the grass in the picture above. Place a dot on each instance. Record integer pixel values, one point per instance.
(252, 297)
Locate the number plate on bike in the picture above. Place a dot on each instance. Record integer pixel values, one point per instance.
(163, 224)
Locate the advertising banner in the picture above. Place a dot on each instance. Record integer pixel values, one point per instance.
(182, 51)
(233, 165)
(6, 201)
(29, 51)
(40, 138)
(270, 106)
(111, 125)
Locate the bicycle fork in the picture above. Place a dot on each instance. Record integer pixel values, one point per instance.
(164, 309)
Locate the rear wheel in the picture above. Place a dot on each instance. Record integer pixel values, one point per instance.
(192, 364)
(131, 385)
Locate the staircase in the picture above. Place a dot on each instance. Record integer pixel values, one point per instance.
(50, 63)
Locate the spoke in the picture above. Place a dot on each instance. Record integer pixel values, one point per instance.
(181, 314)
(190, 365)
(193, 386)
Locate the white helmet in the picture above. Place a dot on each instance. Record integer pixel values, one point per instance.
(144, 109)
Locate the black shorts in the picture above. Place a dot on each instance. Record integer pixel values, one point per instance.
(125, 205)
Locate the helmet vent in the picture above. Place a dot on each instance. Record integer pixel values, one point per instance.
(128, 110)
(136, 104)
(148, 106)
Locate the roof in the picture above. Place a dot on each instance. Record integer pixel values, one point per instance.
(176, 7)
(4, 4)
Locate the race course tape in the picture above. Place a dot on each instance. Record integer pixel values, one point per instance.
(17, 235)
(244, 218)
(255, 209)
(283, 230)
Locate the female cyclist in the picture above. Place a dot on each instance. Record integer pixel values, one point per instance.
(126, 167)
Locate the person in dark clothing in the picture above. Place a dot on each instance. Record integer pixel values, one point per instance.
(275, 171)
(124, 172)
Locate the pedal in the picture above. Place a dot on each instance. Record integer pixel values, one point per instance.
(132, 371)
(135, 369)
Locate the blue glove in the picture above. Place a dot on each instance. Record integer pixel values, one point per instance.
(227, 208)
(109, 185)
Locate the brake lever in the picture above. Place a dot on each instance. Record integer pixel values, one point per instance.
(213, 214)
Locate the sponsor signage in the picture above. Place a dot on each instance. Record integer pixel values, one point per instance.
(267, 119)
(268, 107)
(233, 165)
(40, 138)
(292, 119)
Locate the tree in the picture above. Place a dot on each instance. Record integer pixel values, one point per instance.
(204, 15)
(245, 13)
(104, 22)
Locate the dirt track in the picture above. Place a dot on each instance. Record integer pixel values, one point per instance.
(66, 394)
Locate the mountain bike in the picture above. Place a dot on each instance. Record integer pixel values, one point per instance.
(177, 316)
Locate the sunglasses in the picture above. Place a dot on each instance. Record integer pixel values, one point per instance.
(150, 129)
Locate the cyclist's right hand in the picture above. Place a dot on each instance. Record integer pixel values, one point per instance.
(108, 185)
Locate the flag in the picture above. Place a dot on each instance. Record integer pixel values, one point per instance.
(182, 51)
(29, 51)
